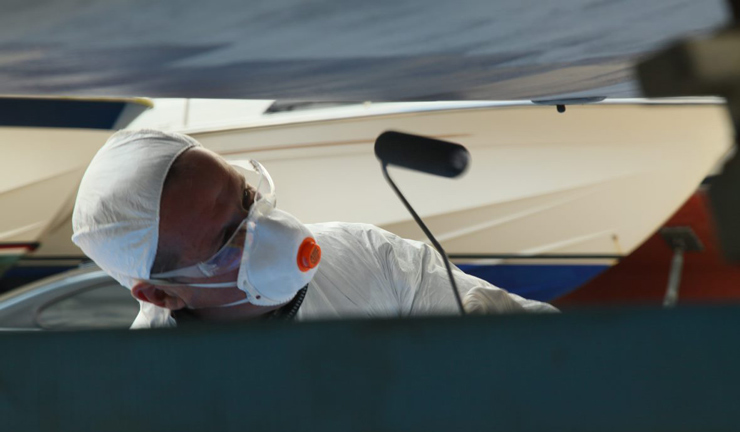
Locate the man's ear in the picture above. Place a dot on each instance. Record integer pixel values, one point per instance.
(157, 296)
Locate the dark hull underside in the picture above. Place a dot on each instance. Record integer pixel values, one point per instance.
(337, 50)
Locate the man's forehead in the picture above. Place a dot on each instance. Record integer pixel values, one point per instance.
(199, 157)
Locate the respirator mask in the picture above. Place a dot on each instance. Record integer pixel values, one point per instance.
(274, 253)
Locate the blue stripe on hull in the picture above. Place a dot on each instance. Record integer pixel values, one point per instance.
(18, 276)
(536, 282)
(60, 113)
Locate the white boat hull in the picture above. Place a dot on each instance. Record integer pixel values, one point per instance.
(596, 180)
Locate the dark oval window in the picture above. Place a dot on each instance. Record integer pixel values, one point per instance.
(107, 305)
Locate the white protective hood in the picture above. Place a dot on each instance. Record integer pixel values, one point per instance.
(116, 214)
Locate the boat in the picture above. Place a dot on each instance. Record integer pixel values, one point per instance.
(46, 144)
(551, 199)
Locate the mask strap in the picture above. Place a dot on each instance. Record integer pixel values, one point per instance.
(196, 285)
(238, 302)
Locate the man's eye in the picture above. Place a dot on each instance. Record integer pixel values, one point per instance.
(248, 198)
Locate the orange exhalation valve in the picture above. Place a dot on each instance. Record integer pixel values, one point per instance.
(309, 254)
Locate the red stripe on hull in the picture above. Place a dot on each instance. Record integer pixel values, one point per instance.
(29, 246)
(642, 277)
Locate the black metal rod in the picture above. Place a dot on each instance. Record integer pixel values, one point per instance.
(428, 234)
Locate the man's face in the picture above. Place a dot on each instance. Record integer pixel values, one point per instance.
(201, 207)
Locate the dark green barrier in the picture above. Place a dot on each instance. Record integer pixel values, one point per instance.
(630, 371)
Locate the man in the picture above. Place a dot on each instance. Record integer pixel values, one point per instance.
(196, 238)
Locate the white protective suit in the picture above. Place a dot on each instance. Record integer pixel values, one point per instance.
(369, 272)
(364, 271)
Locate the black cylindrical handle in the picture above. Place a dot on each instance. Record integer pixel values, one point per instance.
(423, 154)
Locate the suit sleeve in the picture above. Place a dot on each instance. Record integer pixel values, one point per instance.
(418, 274)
